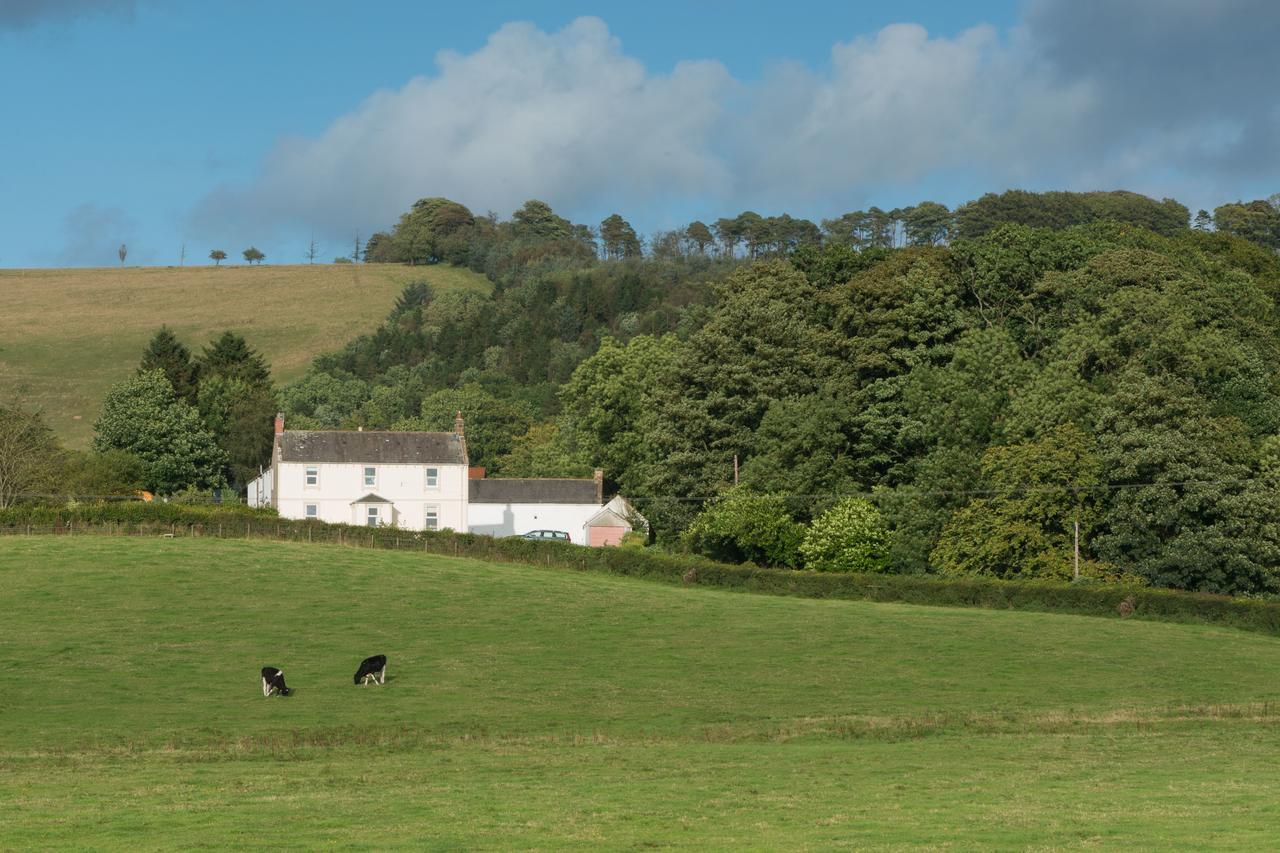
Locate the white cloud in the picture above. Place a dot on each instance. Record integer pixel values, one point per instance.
(564, 116)
(900, 106)
(1079, 96)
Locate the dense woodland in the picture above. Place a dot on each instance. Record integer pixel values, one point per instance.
(915, 390)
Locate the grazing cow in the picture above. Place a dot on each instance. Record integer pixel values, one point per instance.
(372, 668)
(273, 682)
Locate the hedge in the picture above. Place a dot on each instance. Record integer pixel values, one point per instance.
(240, 522)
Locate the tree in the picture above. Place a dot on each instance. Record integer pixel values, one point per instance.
(122, 252)
(231, 356)
(536, 220)
(700, 236)
(1256, 221)
(1203, 221)
(849, 537)
(217, 256)
(252, 255)
(491, 423)
(168, 355)
(30, 459)
(543, 452)
(926, 224)
(742, 527)
(618, 238)
(312, 251)
(380, 249)
(430, 230)
(107, 473)
(240, 415)
(143, 416)
(1026, 528)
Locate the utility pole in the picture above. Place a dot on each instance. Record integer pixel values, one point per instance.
(1077, 549)
(182, 255)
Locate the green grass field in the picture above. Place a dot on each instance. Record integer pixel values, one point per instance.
(543, 709)
(67, 334)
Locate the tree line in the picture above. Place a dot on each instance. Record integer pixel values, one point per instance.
(986, 380)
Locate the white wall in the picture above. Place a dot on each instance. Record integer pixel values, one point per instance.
(514, 519)
(259, 490)
(403, 485)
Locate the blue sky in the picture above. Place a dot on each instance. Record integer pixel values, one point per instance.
(158, 123)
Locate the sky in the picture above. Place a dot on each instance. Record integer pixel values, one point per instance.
(168, 123)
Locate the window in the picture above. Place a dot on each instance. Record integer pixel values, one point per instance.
(432, 518)
(371, 476)
(313, 475)
(312, 511)
(433, 478)
(372, 518)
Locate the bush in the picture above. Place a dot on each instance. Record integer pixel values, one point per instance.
(743, 527)
(849, 537)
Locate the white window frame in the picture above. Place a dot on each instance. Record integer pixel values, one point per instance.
(431, 479)
(311, 512)
(372, 512)
(308, 473)
(370, 480)
(427, 517)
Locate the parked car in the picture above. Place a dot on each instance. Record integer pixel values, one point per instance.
(558, 535)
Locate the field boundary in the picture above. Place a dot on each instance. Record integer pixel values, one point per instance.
(1108, 601)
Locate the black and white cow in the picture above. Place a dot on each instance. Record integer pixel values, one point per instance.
(374, 668)
(273, 682)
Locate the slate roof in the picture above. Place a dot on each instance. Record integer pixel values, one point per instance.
(371, 447)
(371, 498)
(516, 491)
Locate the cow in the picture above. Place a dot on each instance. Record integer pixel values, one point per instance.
(273, 682)
(372, 668)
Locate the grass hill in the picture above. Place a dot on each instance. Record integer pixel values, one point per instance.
(67, 334)
(530, 707)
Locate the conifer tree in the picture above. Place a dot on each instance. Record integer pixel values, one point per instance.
(166, 353)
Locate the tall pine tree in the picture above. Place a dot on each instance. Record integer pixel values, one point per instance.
(167, 354)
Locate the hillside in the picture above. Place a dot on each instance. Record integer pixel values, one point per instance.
(535, 708)
(67, 334)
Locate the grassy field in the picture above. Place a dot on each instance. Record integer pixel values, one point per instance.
(67, 334)
(545, 709)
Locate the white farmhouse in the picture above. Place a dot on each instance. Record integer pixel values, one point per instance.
(414, 480)
(421, 481)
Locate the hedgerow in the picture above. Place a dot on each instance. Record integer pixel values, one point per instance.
(1089, 599)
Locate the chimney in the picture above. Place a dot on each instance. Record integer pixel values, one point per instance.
(279, 422)
(599, 478)
(457, 423)
(475, 472)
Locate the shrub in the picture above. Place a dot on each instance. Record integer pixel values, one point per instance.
(849, 537)
(743, 527)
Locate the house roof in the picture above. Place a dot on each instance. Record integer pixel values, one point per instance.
(606, 517)
(371, 498)
(345, 446)
(533, 491)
